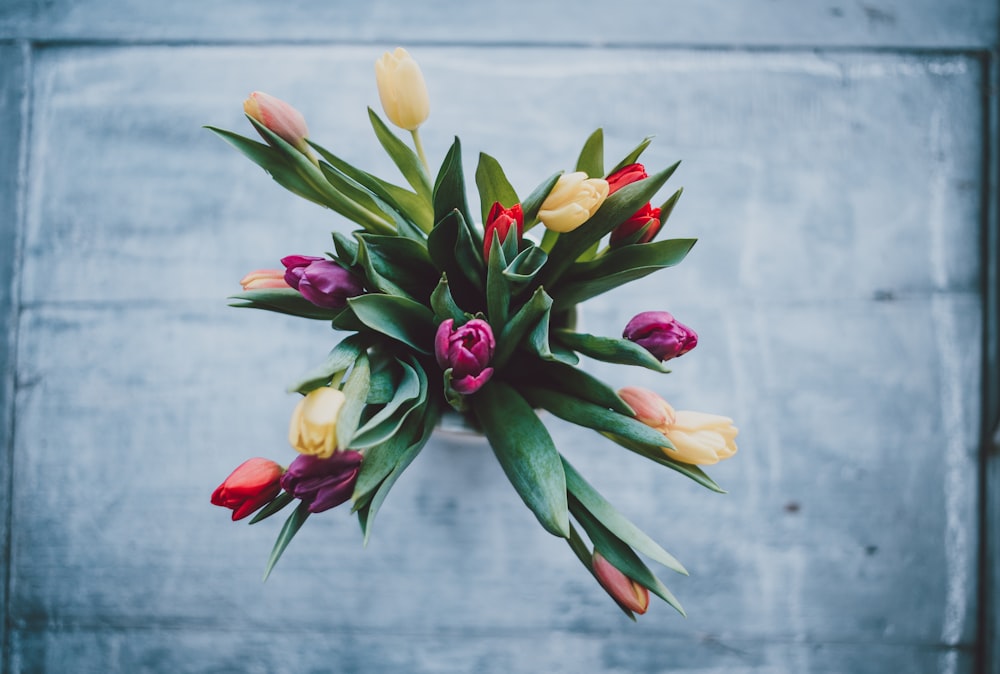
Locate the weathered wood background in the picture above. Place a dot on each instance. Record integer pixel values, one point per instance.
(836, 169)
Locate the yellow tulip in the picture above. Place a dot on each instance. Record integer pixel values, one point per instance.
(401, 89)
(313, 429)
(697, 437)
(574, 200)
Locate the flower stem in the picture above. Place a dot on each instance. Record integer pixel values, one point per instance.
(420, 150)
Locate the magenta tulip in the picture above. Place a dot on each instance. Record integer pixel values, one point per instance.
(467, 351)
(661, 334)
(323, 282)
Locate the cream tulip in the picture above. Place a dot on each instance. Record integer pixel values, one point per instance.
(573, 200)
(313, 428)
(697, 437)
(401, 89)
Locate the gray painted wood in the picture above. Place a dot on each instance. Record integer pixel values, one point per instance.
(958, 24)
(13, 78)
(835, 289)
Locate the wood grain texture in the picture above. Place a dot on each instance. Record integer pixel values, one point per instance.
(835, 290)
(959, 24)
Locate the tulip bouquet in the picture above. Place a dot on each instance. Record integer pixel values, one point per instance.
(444, 315)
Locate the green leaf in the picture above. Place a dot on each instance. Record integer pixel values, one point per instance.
(379, 461)
(356, 391)
(589, 415)
(621, 556)
(409, 204)
(584, 280)
(533, 202)
(398, 266)
(615, 210)
(404, 158)
(449, 191)
(610, 350)
(283, 301)
(497, 289)
(275, 506)
(340, 197)
(398, 317)
(383, 386)
(410, 392)
(444, 304)
(576, 382)
(633, 156)
(347, 250)
(591, 160)
(454, 252)
(520, 325)
(525, 452)
(493, 185)
(274, 162)
(668, 206)
(615, 522)
(522, 269)
(288, 531)
(367, 513)
(339, 359)
(659, 456)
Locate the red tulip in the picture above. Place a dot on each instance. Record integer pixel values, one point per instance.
(252, 485)
(500, 220)
(624, 176)
(631, 231)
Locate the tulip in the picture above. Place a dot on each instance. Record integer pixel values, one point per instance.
(698, 438)
(574, 200)
(467, 351)
(322, 483)
(313, 428)
(279, 117)
(253, 484)
(323, 282)
(622, 589)
(629, 231)
(500, 220)
(661, 334)
(625, 176)
(264, 278)
(402, 90)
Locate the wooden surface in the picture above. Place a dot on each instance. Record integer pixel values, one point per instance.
(835, 180)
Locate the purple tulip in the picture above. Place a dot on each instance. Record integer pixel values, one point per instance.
(323, 282)
(467, 351)
(661, 334)
(322, 483)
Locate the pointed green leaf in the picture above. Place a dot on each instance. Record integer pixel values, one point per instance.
(449, 189)
(497, 289)
(356, 391)
(633, 156)
(526, 453)
(339, 359)
(533, 202)
(520, 325)
(444, 304)
(615, 522)
(621, 556)
(410, 392)
(399, 266)
(668, 206)
(663, 458)
(493, 185)
(576, 382)
(578, 546)
(398, 317)
(591, 160)
(275, 506)
(283, 301)
(288, 531)
(522, 269)
(404, 158)
(610, 350)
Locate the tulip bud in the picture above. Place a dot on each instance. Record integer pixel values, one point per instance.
(252, 485)
(264, 278)
(661, 334)
(698, 438)
(468, 351)
(574, 200)
(323, 282)
(500, 220)
(631, 231)
(625, 176)
(622, 589)
(402, 90)
(322, 483)
(280, 117)
(313, 428)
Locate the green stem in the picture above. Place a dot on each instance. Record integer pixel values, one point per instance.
(549, 240)
(420, 150)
